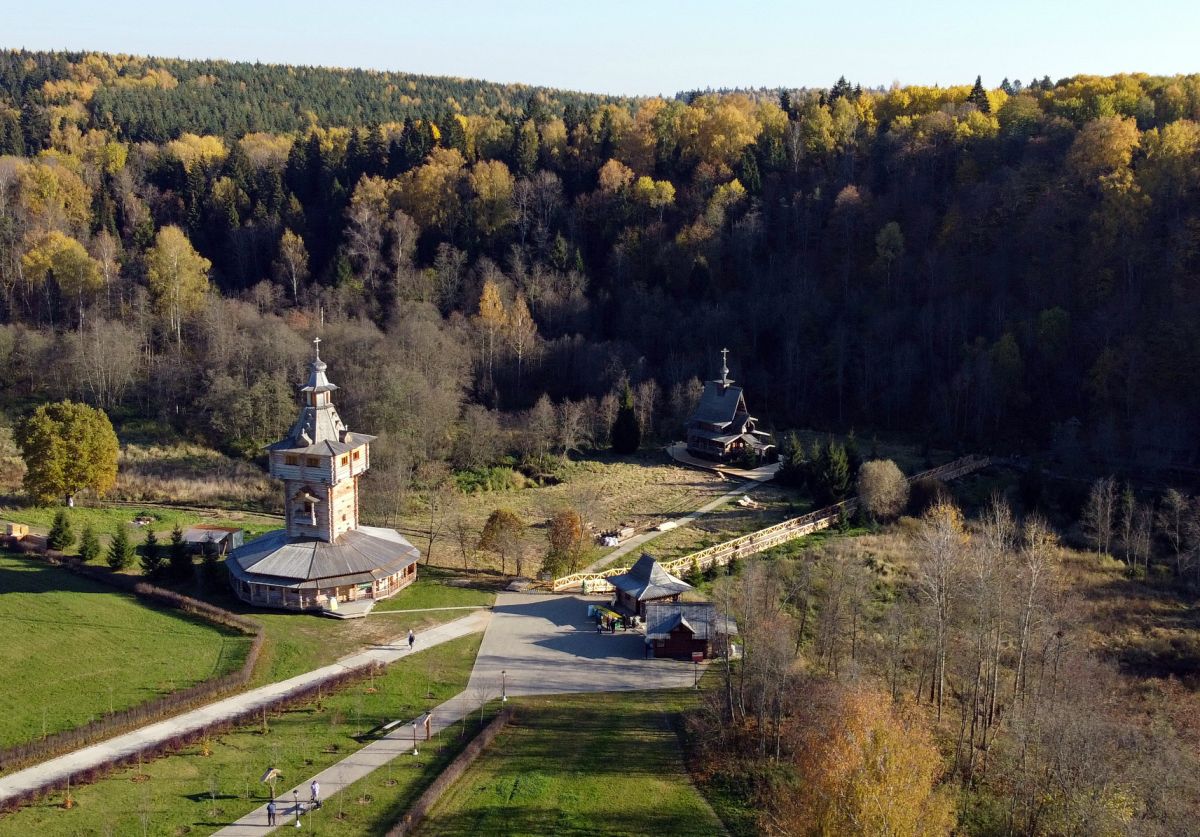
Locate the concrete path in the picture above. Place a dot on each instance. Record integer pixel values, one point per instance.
(543, 644)
(334, 779)
(644, 538)
(56, 771)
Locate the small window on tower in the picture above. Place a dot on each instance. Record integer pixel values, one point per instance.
(345, 460)
(312, 461)
(291, 459)
(357, 455)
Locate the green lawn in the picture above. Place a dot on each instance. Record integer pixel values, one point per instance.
(191, 793)
(581, 765)
(432, 590)
(106, 519)
(75, 649)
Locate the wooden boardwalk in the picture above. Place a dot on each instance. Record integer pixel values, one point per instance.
(763, 539)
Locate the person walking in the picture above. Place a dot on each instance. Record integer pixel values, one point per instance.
(271, 812)
(411, 639)
(315, 791)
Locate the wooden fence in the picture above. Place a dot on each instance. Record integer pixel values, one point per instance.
(763, 539)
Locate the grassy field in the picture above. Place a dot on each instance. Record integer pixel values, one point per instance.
(76, 649)
(194, 793)
(581, 765)
(106, 519)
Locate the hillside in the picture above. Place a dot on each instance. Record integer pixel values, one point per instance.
(142, 98)
(996, 268)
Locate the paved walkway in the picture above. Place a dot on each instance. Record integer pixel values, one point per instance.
(333, 779)
(543, 644)
(57, 770)
(644, 538)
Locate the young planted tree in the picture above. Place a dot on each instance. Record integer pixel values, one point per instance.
(89, 544)
(60, 537)
(178, 556)
(67, 447)
(120, 550)
(152, 557)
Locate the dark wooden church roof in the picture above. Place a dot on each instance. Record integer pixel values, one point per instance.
(648, 580)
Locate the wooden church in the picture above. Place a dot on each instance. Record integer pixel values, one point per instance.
(721, 428)
(322, 558)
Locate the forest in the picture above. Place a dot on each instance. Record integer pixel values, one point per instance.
(1005, 269)
(498, 272)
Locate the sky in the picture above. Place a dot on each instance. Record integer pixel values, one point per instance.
(642, 48)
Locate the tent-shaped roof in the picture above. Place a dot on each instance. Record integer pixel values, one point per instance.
(648, 580)
(358, 556)
(319, 430)
(701, 618)
(719, 403)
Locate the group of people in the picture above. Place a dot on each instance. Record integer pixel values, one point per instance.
(314, 802)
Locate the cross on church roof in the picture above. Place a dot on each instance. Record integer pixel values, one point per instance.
(317, 347)
(725, 366)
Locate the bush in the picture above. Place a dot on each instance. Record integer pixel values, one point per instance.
(61, 537)
(882, 489)
(494, 478)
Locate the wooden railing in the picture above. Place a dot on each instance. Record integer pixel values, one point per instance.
(764, 539)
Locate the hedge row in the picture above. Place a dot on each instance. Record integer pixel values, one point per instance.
(176, 743)
(453, 772)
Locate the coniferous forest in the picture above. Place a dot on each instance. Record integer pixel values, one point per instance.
(999, 268)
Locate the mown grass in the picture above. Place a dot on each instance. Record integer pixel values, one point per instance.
(105, 520)
(193, 793)
(433, 589)
(75, 649)
(581, 765)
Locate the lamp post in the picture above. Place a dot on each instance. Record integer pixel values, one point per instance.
(296, 806)
(503, 687)
(416, 752)
(696, 673)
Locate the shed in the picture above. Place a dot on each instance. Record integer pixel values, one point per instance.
(220, 539)
(681, 629)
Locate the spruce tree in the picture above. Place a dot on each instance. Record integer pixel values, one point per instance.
(695, 574)
(626, 432)
(152, 558)
(178, 554)
(120, 550)
(978, 96)
(89, 544)
(61, 537)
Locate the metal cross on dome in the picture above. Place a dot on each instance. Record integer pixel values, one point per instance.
(317, 346)
(724, 364)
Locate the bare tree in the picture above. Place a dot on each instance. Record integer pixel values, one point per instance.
(1099, 513)
(941, 544)
(1171, 523)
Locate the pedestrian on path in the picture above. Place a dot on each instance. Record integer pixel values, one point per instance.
(315, 790)
(271, 812)
(411, 639)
